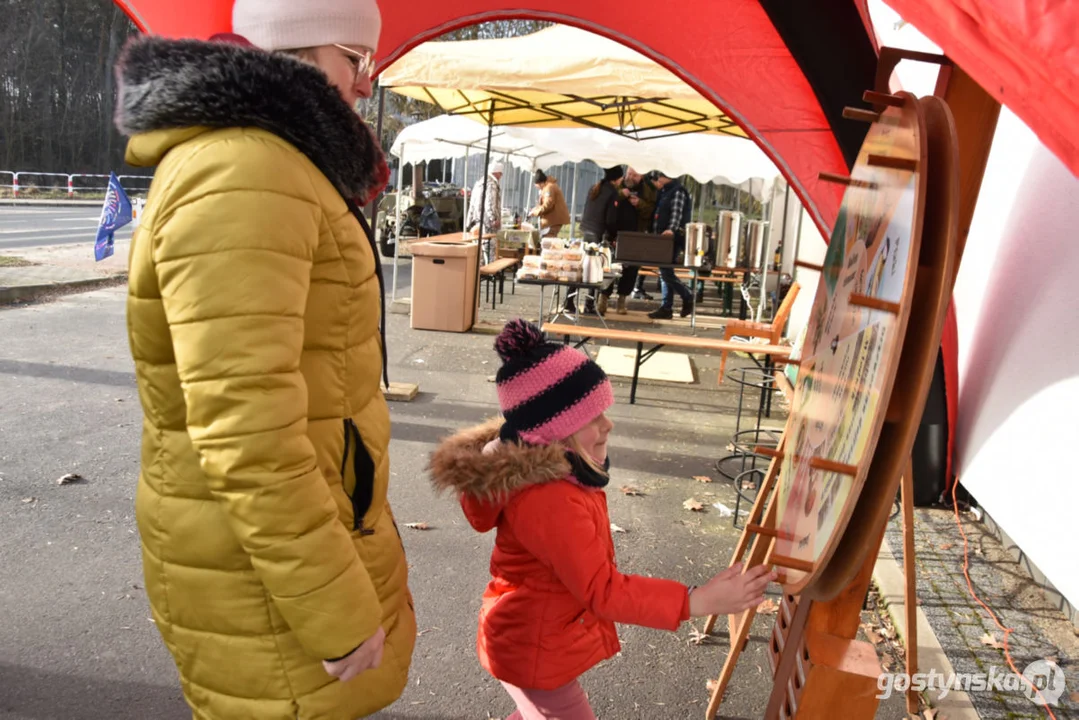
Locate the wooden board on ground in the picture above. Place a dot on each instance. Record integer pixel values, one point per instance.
(401, 392)
(663, 366)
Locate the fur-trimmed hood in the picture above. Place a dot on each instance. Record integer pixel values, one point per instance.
(172, 84)
(485, 483)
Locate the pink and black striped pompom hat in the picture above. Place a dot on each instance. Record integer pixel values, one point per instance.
(547, 391)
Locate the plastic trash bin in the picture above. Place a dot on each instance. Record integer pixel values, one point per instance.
(444, 285)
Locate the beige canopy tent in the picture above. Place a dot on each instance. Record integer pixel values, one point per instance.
(558, 77)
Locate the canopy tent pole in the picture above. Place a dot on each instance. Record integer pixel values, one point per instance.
(573, 202)
(397, 221)
(766, 238)
(743, 259)
(783, 232)
(466, 191)
(373, 209)
(511, 174)
(483, 204)
(531, 184)
(798, 241)
(508, 182)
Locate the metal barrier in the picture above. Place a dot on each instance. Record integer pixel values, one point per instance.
(20, 182)
(72, 183)
(137, 178)
(72, 187)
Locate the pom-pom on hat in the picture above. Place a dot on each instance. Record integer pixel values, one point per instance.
(547, 391)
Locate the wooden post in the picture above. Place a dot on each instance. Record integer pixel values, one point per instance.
(739, 626)
(760, 508)
(975, 113)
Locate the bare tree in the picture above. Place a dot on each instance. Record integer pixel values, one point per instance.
(57, 86)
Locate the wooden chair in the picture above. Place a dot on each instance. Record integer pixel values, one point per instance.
(772, 332)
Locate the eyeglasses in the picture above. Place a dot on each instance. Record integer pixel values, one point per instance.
(362, 62)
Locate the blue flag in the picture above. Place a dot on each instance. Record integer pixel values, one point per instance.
(114, 215)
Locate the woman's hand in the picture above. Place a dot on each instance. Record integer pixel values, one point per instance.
(366, 657)
(732, 591)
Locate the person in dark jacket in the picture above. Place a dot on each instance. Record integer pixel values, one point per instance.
(600, 216)
(627, 218)
(674, 208)
(636, 202)
(599, 221)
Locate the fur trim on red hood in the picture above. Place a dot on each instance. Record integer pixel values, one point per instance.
(485, 482)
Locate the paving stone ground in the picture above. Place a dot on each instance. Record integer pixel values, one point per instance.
(1040, 630)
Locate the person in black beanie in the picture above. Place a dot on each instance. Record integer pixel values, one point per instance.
(600, 216)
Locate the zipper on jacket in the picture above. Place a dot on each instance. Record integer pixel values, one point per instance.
(363, 467)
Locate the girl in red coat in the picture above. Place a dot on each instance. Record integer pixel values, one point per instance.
(537, 477)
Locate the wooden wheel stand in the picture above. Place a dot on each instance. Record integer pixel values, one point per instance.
(818, 665)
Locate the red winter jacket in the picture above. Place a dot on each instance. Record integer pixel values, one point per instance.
(549, 611)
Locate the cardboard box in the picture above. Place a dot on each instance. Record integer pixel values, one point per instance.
(444, 285)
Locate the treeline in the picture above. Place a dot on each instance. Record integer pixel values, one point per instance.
(57, 88)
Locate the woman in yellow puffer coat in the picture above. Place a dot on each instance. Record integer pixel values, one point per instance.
(273, 566)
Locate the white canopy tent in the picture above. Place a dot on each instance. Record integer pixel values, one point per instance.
(455, 136)
(592, 83)
(720, 159)
(723, 160)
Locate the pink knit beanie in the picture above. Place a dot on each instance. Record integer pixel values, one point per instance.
(547, 391)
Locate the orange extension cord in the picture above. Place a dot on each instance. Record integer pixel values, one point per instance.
(970, 586)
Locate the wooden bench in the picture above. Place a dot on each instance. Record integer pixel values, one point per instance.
(494, 275)
(718, 274)
(772, 332)
(773, 353)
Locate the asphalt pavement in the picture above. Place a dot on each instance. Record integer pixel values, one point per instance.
(33, 226)
(76, 639)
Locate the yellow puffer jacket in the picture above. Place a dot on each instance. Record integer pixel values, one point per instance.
(253, 314)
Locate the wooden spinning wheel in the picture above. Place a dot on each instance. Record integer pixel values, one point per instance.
(863, 378)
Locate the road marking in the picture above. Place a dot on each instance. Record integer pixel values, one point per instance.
(45, 211)
(45, 230)
(16, 243)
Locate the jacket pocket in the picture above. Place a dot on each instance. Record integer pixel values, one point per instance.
(363, 467)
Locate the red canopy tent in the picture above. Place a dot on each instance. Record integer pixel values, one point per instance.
(782, 70)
